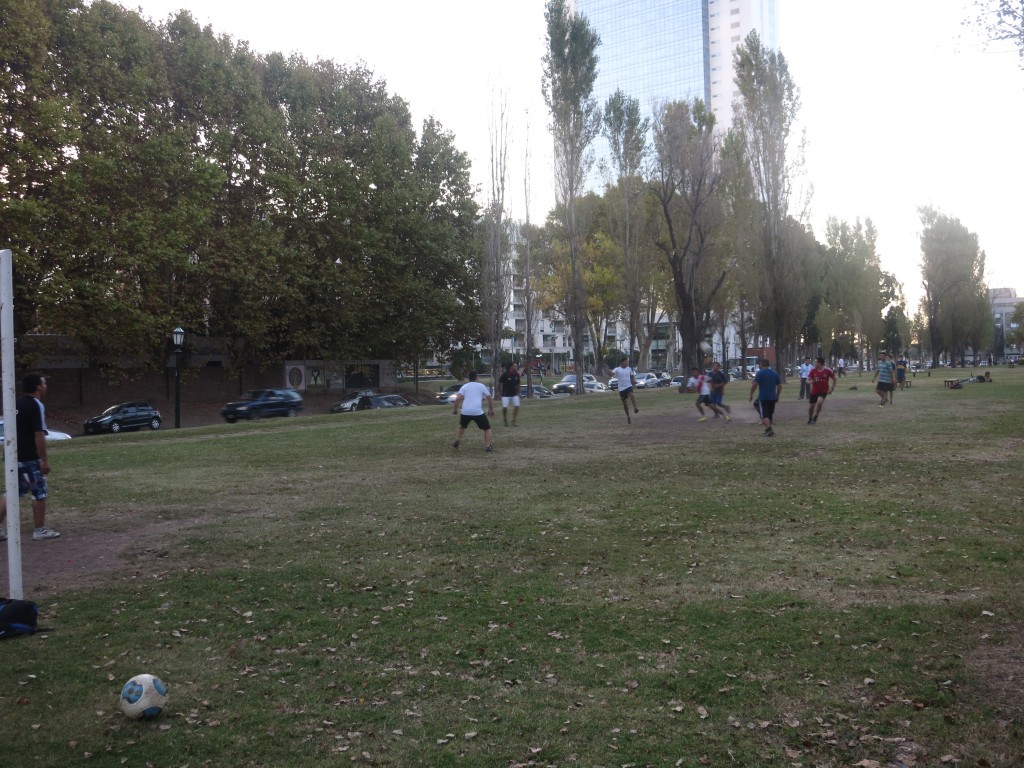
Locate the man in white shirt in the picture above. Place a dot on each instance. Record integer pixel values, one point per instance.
(805, 371)
(699, 383)
(627, 382)
(471, 398)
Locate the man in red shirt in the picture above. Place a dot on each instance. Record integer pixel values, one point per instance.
(822, 383)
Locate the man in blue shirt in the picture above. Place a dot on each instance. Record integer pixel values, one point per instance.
(885, 372)
(768, 386)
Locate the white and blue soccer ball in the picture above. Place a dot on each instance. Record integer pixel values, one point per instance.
(143, 697)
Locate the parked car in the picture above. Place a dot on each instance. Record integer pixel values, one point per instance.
(679, 381)
(538, 391)
(367, 401)
(664, 379)
(51, 434)
(568, 383)
(646, 381)
(447, 396)
(124, 416)
(259, 403)
(613, 383)
(595, 386)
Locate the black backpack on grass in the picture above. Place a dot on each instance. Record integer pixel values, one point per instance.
(17, 617)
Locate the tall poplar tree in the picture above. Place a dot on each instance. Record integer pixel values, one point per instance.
(570, 68)
(626, 133)
(766, 111)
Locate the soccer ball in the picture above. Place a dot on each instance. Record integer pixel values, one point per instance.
(143, 697)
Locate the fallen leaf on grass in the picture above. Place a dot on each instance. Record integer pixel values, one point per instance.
(702, 712)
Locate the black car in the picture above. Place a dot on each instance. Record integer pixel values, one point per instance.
(368, 401)
(567, 386)
(538, 391)
(124, 416)
(260, 403)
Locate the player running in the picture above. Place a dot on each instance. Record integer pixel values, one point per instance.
(822, 383)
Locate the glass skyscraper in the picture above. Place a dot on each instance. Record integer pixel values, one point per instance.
(654, 50)
(663, 50)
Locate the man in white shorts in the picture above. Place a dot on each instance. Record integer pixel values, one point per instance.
(471, 399)
(509, 384)
(627, 381)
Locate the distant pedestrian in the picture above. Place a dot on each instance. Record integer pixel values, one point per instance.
(626, 378)
(471, 399)
(768, 386)
(901, 373)
(509, 383)
(821, 382)
(885, 373)
(33, 464)
(805, 368)
(841, 367)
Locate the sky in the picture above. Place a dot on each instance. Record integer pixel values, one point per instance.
(901, 106)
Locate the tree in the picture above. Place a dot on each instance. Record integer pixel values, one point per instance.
(687, 180)
(152, 176)
(570, 67)
(767, 109)
(1001, 20)
(496, 268)
(626, 133)
(953, 278)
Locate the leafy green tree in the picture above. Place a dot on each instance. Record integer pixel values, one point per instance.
(687, 182)
(767, 109)
(570, 67)
(953, 278)
(626, 133)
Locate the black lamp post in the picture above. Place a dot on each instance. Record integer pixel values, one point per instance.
(178, 337)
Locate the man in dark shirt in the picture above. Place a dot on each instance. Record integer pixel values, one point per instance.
(33, 464)
(509, 383)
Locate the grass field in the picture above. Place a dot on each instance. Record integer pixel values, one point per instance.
(349, 589)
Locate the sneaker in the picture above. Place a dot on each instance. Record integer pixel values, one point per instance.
(881, 405)
(44, 533)
(489, 449)
(703, 418)
(770, 432)
(455, 444)
(810, 421)
(814, 420)
(636, 410)
(629, 420)
(727, 417)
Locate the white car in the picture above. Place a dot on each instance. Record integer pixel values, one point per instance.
(646, 381)
(51, 434)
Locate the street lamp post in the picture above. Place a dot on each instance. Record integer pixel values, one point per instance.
(178, 337)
